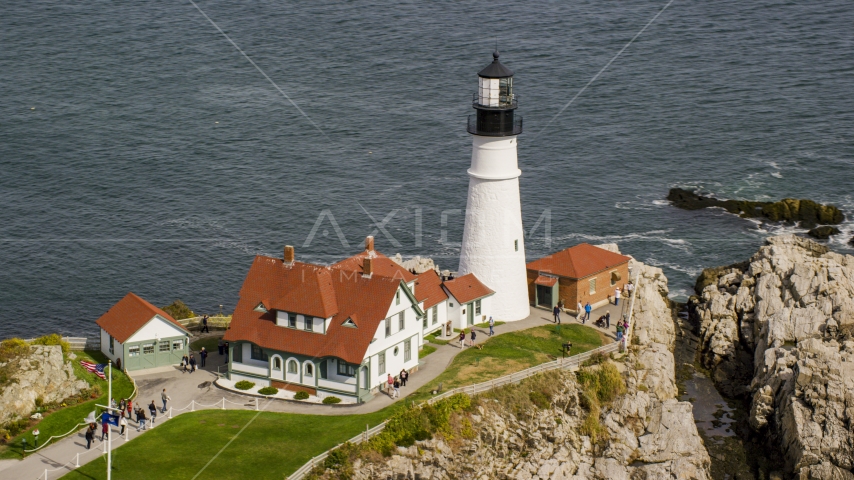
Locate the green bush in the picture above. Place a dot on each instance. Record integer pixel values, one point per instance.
(301, 396)
(244, 385)
(52, 339)
(598, 385)
(179, 310)
(331, 400)
(408, 425)
(268, 391)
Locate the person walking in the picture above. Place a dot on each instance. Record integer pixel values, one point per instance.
(473, 336)
(192, 363)
(390, 382)
(185, 362)
(629, 288)
(580, 312)
(90, 435)
(220, 345)
(165, 398)
(587, 310)
(462, 339)
(491, 327)
(140, 419)
(226, 350)
(130, 405)
(619, 331)
(204, 355)
(105, 430)
(607, 319)
(556, 312)
(205, 328)
(396, 386)
(152, 408)
(123, 423)
(404, 375)
(617, 296)
(123, 405)
(138, 412)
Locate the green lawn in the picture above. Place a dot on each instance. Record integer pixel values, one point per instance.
(63, 419)
(211, 344)
(273, 446)
(426, 350)
(511, 352)
(276, 444)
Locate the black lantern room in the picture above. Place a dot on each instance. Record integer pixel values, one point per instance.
(495, 103)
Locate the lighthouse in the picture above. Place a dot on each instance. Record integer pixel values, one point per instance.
(493, 245)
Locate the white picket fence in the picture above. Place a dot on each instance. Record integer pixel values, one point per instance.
(575, 361)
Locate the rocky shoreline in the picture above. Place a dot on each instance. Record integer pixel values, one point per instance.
(806, 213)
(777, 331)
(644, 433)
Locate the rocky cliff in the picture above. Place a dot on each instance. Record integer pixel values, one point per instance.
(644, 433)
(40, 373)
(777, 329)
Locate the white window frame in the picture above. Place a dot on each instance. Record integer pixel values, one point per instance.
(435, 314)
(295, 364)
(146, 347)
(177, 345)
(407, 350)
(381, 365)
(164, 344)
(401, 321)
(387, 327)
(592, 286)
(133, 351)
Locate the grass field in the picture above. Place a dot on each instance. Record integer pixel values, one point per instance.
(271, 447)
(509, 353)
(63, 419)
(276, 444)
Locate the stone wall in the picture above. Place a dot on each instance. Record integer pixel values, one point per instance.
(41, 373)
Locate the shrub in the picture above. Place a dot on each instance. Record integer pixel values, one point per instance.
(179, 310)
(268, 391)
(331, 400)
(244, 385)
(52, 339)
(598, 385)
(301, 396)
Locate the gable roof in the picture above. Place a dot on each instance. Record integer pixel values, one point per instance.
(346, 294)
(128, 315)
(428, 289)
(579, 261)
(467, 288)
(381, 266)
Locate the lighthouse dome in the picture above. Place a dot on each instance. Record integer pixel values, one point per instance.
(495, 69)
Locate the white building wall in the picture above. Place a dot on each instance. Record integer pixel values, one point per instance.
(157, 327)
(442, 310)
(454, 311)
(412, 330)
(118, 348)
(493, 246)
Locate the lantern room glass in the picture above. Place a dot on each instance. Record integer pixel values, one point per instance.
(495, 92)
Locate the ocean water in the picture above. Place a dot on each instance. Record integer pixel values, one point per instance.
(139, 151)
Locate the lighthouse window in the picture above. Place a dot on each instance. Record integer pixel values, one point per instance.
(505, 90)
(516, 245)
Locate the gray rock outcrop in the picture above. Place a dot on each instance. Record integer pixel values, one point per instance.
(777, 329)
(43, 374)
(648, 433)
(417, 264)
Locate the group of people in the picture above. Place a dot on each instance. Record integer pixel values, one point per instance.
(473, 338)
(394, 384)
(124, 409)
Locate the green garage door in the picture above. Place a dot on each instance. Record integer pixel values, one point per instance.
(150, 354)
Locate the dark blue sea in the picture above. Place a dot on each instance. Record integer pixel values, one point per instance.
(140, 151)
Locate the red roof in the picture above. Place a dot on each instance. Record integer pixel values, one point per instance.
(546, 281)
(428, 289)
(380, 265)
(467, 288)
(339, 293)
(127, 316)
(579, 261)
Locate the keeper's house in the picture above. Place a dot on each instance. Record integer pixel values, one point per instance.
(136, 335)
(582, 273)
(328, 331)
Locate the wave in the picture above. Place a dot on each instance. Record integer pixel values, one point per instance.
(692, 272)
(652, 236)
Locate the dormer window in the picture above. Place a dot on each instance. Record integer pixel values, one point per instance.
(397, 297)
(309, 323)
(261, 308)
(349, 323)
(292, 320)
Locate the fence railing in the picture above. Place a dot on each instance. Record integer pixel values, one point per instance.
(571, 362)
(77, 343)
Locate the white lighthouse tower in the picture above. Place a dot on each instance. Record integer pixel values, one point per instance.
(493, 245)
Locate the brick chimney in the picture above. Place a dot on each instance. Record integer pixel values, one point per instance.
(367, 266)
(289, 255)
(369, 243)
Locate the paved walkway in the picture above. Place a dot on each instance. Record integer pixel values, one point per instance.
(198, 387)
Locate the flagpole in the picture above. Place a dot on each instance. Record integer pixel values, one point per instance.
(109, 433)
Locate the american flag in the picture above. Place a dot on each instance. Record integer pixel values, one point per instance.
(96, 369)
